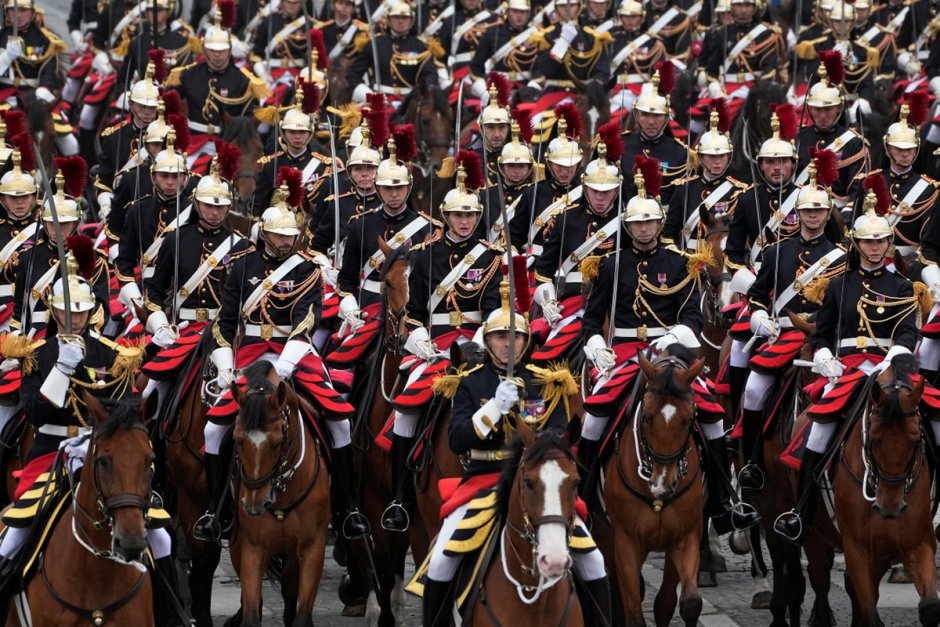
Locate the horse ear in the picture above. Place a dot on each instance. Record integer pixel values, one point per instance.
(919, 389)
(279, 398)
(383, 246)
(694, 371)
(527, 433)
(96, 410)
(238, 395)
(705, 216)
(646, 366)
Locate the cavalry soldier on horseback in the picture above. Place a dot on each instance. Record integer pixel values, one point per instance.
(176, 41)
(494, 124)
(653, 137)
(271, 302)
(516, 168)
(634, 53)
(573, 57)
(868, 317)
(870, 34)
(404, 61)
(344, 33)
(18, 229)
(458, 33)
(452, 288)
(280, 42)
(712, 191)
(487, 404)
(791, 280)
(508, 46)
(118, 143)
(29, 54)
(671, 23)
(215, 89)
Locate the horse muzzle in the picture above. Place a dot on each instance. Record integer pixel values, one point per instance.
(252, 505)
(130, 546)
(889, 511)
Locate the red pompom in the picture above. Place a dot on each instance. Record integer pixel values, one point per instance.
(520, 279)
(825, 161)
(158, 56)
(503, 88)
(786, 115)
(406, 144)
(75, 172)
(83, 249)
(473, 166)
(876, 183)
(613, 139)
(919, 108)
(652, 174)
(181, 127)
(229, 157)
(24, 143)
(667, 77)
(724, 118)
(172, 104)
(523, 118)
(323, 57)
(15, 121)
(832, 61)
(569, 112)
(311, 93)
(377, 119)
(227, 13)
(294, 179)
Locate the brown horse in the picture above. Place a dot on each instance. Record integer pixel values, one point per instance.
(427, 109)
(20, 436)
(103, 537)
(283, 497)
(529, 582)
(654, 492)
(882, 496)
(242, 131)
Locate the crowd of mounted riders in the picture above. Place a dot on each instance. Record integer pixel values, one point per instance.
(528, 289)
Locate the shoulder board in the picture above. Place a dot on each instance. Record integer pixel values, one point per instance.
(433, 221)
(421, 245)
(681, 143)
(737, 183)
(175, 76)
(773, 27)
(112, 129)
(324, 158)
(360, 41)
(267, 158)
(604, 37)
(357, 216)
(257, 86)
(675, 249)
(361, 25)
(54, 40)
(447, 385)
(491, 246)
(688, 179)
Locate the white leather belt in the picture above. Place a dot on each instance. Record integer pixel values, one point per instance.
(740, 77)
(455, 319)
(264, 331)
(488, 456)
(574, 277)
(372, 286)
(199, 314)
(286, 63)
(6, 290)
(394, 91)
(564, 84)
(202, 128)
(517, 77)
(631, 79)
(642, 332)
(866, 342)
(904, 250)
(61, 431)
(463, 57)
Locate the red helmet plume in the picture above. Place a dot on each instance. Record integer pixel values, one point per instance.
(832, 61)
(724, 117)
(406, 143)
(83, 249)
(523, 118)
(918, 107)
(323, 57)
(294, 179)
(74, 170)
(786, 114)
(158, 56)
(181, 128)
(825, 161)
(311, 93)
(15, 121)
(473, 166)
(520, 279)
(610, 135)
(377, 120)
(652, 173)
(229, 157)
(172, 104)
(667, 77)
(24, 143)
(569, 112)
(503, 88)
(227, 13)
(876, 183)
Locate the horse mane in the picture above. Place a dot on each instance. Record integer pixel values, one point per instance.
(254, 411)
(122, 414)
(904, 366)
(396, 254)
(546, 441)
(668, 386)
(240, 130)
(37, 116)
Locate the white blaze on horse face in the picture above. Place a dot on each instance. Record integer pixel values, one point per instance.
(552, 556)
(668, 411)
(257, 438)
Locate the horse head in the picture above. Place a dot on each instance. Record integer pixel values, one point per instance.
(893, 440)
(241, 131)
(433, 118)
(665, 417)
(395, 272)
(263, 435)
(546, 488)
(121, 461)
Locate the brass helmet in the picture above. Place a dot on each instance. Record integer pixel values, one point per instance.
(715, 141)
(391, 172)
(300, 117)
(812, 195)
(501, 319)
(842, 11)
(5, 151)
(81, 294)
(515, 151)
(862, 4)
(567, 2)
(779, 145)
(219, 36)
(66, 207)
(651, 99)
(16, 182)
(496, 110)
(631, 7)
(645, 204)
(519, 5)
(827, 91)
(19, 4)
(211, 189)
(400, 8)
(871, 225)
(278, 218)
(168, 160)
(903, 134)
(146, 92)
(600, 174)
(158, 129)
(722, 6)
(562, 150)
(464, 197)
(355, 137)
(364, 153)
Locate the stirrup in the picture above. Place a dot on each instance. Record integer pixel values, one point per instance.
(754, 470)
(352, 516)
(780, 526)
(399, 509)
(743, 509)
(208, 521)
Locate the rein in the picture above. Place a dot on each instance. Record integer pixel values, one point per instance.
(94, 616)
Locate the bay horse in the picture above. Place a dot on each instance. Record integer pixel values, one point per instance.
(91, 566)
(427, 109)
(882, 495)
(242, 131)
(283, 496)
(654, 490)
(529, 582)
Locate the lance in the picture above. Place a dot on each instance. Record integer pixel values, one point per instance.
(59, 244)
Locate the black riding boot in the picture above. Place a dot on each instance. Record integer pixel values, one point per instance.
(588, 450)
(751, 476)
(209, 528)
(725, 517)
(396, 517)
(795, 524)
(355, 524)
(167, 606)
(9, 582)
(597, 609)
(86, 144)
(737, 379)
(436, 611)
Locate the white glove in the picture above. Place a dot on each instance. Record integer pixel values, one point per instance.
(679, 334)
(14, 49)
(165, 336)
(239, 49)
(599, 354)
(224, 361)
(741, 281)
(763, 325)
(261, 71)
(9, 364)
(478, 89)
(360, 92)
(420, 344)
(534, 85)
(702, 79)
(43, 93)
(930, 274)
(327, 271)
(507, 395)
(893, 352)
(934, 85)
(909, 63)
(569, 31)
(102, 64)
(294, 351)
(551, 311)
(827, 365)
(349, 311)
(71, 355)
(716, 90)
(78, 39)
(129, 295)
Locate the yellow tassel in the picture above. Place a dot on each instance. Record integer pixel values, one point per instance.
(20, 347)
(436, 48)
(128, 361)
(448, 169)
(195, 45)
(447, 384)
(590, 267)
(700, 260)
(173, 78)
(360, 41)
(815, 291)
(924, 299)
(558, 385)
(123, 47)
(266, 115)
(350, 117)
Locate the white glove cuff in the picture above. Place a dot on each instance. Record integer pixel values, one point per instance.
(56, 387)
(486, 418)
(294, 351)
(545, 292)
(757, 318)
(128, 294)
(685, 336)
(559, 49)
(348, 305)
(223, 358)
(155, 321)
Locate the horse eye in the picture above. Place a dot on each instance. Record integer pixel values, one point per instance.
(104, 462)
(529, 485)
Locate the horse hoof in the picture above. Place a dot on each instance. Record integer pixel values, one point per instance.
(690, 610)
(929, 612)
(761, 601)
(899, 575)
(354, 611)
(814, 622)
(719, 565)
(234, 621)
(707, 579)
(350, 594)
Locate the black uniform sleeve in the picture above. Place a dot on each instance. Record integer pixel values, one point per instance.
(418, 290)
(906, 333)
(827, 317)
(311, 301)
(736, 247)
(461, 434)
(676, 216)
(348, 279)
(128, 250)
(598, 303)
(761, 291)
(359, 66)
(19, 287)
(227, 322)
(159, 284)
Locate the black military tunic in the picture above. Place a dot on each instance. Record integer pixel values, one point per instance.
(334, 34)
(519, 197)
(109, 16)
(136, 182)
(781, 268)
(29, 309)
(517, 62)
(534, 220)
(146, 220)
(642, 59)
(917, 16)
(211, 97)
(117, 144)
(465, 49)
(688, 198)
(750, 219)
(676, 34)
(917, 213)
(873, 35)
(39, 65)
(852, 155)
(176, 43)
(83, 16)
(358, 275)
(671, 153)
(763, 57)
(476, 290)
(405, 63)
(282, 41)
(321, 228)
(641, 306)
(861, 64)
(11, 228)
(271, 165)
(478, 387)
(587, 59)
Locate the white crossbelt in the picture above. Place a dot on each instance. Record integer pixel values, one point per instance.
(150, 255)
(559, 205)
(346, 39)
(378, 257)
(6, 289)
(804, 279)
(205, 268)
(588, 247)
(62, 431)
(710, 201)
(663, 21)
(455, 275)
(18, 240)
(776, 218)
(908, 201)
(834, 146)
(201, 315)
(497, 227)
(629, 49)
(509, 46)
(743, 43)
(270, 281)
(372, 286)
(283, 34)
(465, 28)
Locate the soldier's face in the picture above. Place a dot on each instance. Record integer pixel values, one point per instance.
(79, 319)
(902, 158)
(471, 5)
(343, 11)
(363, 176)
(651, 124)
(67, 228)
(400, 24)
(211, 216)
(841, 28)
(168, 183)
(861, 15)
(393, 196)
(743, 13)
(495, 136)
(498, 343)
(563, 174)
(715, 165)
(813, 220)
(600, 202)
(567, 12)
(724, 17)
(597, 10)
(825, 117)
(162, 15)
(297, 140)
(18, 206)
(462, 223)
(644, 232)
(515, 173)
(291, 8)
(279, 244)
(217, 60)
(631, 22)
(518, 18)
(776, 170)
(144, 114)
(21, 16)
(873, 251)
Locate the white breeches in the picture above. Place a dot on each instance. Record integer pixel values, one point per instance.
(738, 357)
(757, 390)
(929, 354)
